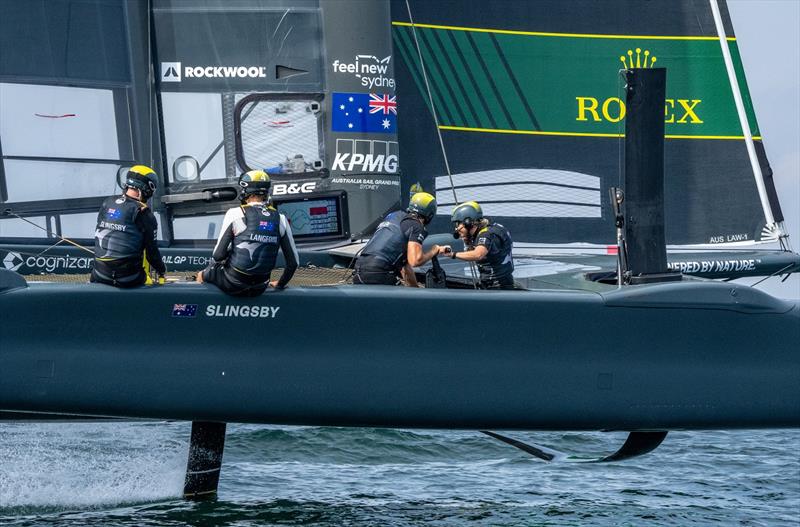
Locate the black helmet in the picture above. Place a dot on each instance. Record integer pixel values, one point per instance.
(254, 182)
(424, 205)
(142, 178)
(468, 213)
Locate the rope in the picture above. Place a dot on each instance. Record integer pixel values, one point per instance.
(430, 100)
(472, 269)
(776, 273)
(61, 238)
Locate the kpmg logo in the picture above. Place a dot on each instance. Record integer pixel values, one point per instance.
(13, 261)
(170, 72)
(362, 155)
(612, 109)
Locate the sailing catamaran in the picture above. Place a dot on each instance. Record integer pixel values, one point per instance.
(527, 103)
(531, 111)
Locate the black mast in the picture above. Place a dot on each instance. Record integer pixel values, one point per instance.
(644, 176)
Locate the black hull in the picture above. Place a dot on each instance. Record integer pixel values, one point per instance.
(650, 357)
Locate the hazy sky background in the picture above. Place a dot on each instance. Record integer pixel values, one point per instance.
(769, 40)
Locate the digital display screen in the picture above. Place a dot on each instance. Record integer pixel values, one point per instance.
(313, 217)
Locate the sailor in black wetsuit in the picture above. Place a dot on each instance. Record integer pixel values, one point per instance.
(396, 247)
(489, 245)
(248, 243)
(127, 228)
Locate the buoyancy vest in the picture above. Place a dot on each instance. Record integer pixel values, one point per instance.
(117, 236)
(388, 243)
(256, 248)
(498, 262)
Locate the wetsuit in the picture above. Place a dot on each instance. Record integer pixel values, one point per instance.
(247, 249)
(387, 251)
(497, 267)
(126, 229)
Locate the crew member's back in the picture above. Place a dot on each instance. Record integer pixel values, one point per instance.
(127, 230)
(396, 246)
(248, 244)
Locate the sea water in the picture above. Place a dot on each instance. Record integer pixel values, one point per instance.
(131, 474)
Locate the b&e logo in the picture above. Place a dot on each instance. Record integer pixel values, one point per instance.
(170, 72)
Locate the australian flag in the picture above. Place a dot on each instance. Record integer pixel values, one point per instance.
(114, 214)
(364, 112)
(184, 310)
(265, 225)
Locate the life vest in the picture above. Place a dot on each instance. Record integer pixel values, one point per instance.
(388, 243)
(498, 262)
(256, 248)
(117, 236)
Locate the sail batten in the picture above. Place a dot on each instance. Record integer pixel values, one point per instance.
(565, 35)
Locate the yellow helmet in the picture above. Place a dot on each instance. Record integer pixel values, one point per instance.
(424, 205)
(142, 178)
(467, 213)
(254, 182)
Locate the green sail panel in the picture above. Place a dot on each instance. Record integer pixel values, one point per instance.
(529, 103)
(566, 84)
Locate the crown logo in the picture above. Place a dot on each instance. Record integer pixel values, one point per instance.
(642, 60)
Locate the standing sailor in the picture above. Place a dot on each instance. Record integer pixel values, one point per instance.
(248, 243)
(489, 245)
(127, 228)
(396, 246)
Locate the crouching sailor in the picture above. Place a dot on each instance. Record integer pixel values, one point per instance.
(396, 246)
(489, 245)
(127, 228)
(248, 243)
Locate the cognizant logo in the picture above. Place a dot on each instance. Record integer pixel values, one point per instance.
(13, 261)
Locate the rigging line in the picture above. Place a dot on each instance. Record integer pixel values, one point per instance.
(472, 269)
(32, 255)
(776, 273)
(622, 247)
(743, 120)
(620, 131)
(430, 100)
(62, 238)
(48, 248)
(150, 81)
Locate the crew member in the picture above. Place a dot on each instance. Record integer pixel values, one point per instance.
(248, 243)
(396, 247)
(127, 231)
(489, 245)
